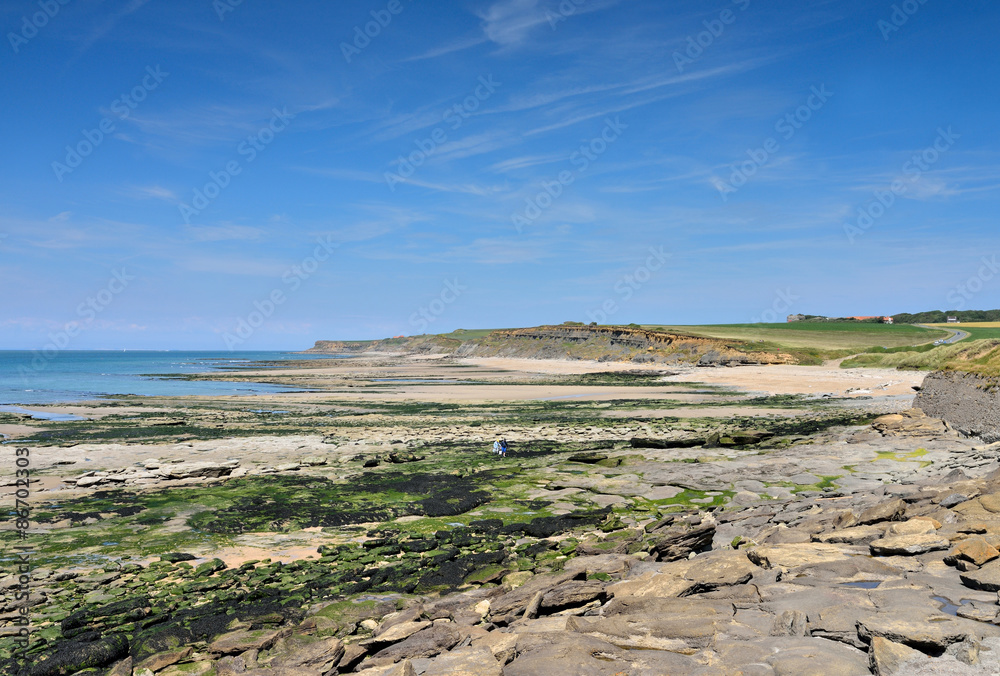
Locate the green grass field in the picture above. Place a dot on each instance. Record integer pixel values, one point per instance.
(822, 336)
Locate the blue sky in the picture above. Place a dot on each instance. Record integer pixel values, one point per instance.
(200, 174)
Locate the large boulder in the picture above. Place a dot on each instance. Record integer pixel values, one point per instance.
(913, 422)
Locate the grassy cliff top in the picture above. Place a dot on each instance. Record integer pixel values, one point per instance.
(800, 342)
(818, 335)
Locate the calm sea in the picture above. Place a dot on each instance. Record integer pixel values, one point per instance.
(68, 376)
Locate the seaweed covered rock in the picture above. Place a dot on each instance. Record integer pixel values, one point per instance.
(71, 657)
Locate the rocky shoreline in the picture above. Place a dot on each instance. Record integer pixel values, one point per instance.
(806, 535)
(900, 565)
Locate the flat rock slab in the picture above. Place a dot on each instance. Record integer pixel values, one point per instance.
(908, 545)
(976, 610)
(318, 657)
(796, 555)
(399, 632)
(891, 510)
(429, 642)
(402, 669)
(986, 578)
(677, 634)
(652, 623)
(242, 641)
(790, 656)
(610, 564)
(572, 594)
(679, 578)
(581, 655)
(663, 493)
(468, 661)
(931, 634)
(975, 550)
(852, 536)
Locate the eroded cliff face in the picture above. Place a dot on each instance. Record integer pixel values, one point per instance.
(600, 343)
(968, 402)
(604, 343)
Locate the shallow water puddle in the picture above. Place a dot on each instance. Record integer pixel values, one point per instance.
(948, 607)
(41, 415)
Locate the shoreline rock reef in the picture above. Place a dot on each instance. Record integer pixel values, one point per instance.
(839, 536)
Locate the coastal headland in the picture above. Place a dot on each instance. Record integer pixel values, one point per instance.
(672, 502)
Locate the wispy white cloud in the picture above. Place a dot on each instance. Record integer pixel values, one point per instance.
(221, 233)
(510, 21)
(647, 84)
(109, 23)
(221, 265)
(449, 48)
(472, 145)
(525, 161)
(458, 188)
(152, 192)
(371, 177)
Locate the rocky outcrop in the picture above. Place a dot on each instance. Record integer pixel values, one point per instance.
(970, 403)
(151, 472)
(427, 344)
(600, 343)
(611, 343)
(913, 422)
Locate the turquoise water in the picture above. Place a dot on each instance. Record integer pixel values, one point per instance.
(69, 375)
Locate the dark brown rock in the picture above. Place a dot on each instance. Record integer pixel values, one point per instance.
(571, 595)
(677, 542)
